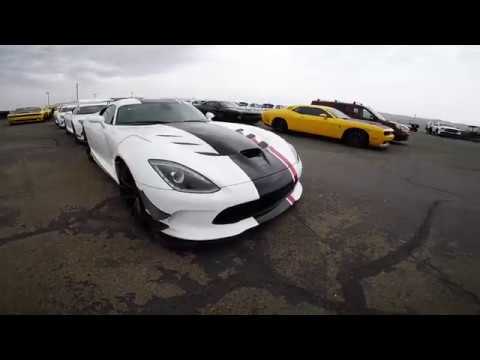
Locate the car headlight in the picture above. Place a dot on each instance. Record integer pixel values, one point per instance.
(294, 152)
(182, 178)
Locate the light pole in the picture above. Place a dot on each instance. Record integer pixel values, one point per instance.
(48, 97)
(76, 91)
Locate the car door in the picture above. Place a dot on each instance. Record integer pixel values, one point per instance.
(106, 129)
(320, 122)
(297, 119)
(312, 120)
(96, 135)
(74, 114)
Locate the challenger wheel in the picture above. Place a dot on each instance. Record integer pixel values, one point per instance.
(131, 194)
(279, 125)
(356, 138)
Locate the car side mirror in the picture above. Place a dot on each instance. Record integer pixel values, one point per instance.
(102, 111)
(209, 115)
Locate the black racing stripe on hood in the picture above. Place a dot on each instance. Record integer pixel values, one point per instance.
(223, 140)
(231, 143)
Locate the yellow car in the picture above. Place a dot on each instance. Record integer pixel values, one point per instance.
(28, 114)
(329, 122)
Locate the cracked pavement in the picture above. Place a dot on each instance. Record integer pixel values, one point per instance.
(376, 232)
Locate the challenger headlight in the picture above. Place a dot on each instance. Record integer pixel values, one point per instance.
(295, 154)
(182, 178)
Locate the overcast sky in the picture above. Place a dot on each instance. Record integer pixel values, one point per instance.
(429, 81)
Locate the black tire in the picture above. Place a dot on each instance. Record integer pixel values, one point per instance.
(131, 195)
(279, 125)
(356, 138)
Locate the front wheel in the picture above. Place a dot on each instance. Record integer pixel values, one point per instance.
(280, 125)
(131, 195)
(356, 138)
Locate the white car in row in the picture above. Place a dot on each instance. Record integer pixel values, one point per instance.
(59, 114)
(437, 128)
(190, 177)
(83, 112)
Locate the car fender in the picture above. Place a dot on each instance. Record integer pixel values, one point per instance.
(135, 151)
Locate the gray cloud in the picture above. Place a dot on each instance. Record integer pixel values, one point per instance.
(430, 81)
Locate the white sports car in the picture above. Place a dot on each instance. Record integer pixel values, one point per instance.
(59, 114)
(193, 178)
(83, 112)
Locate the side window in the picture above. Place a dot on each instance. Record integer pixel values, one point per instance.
(305, 110)
(302, 110)
(367, 115)
(356, 111)
(318, 112)
(108, 114)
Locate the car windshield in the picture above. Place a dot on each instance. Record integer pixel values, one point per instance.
(91, 109)
(378, 115)
(338, 113)
(157, 113)
(228, 104)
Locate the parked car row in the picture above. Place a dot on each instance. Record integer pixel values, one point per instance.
(202, 170)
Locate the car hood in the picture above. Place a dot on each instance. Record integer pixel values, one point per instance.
(89, 117)
(226, 153)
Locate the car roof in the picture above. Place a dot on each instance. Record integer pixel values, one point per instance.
(130, 101)
(323, 107)
(93, 104)
(341, 102)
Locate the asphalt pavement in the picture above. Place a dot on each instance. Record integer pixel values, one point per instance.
(376, 231)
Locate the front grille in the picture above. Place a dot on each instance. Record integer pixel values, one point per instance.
(253, 208)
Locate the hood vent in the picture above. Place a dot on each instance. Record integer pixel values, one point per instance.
(184, 143)
(251, 153)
